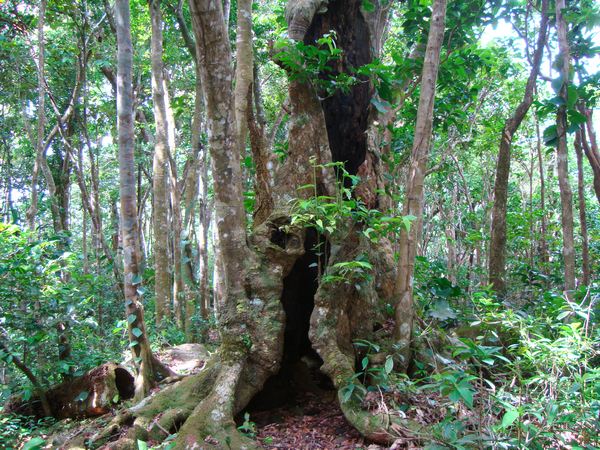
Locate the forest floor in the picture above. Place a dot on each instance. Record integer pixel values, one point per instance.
(307, 421)
(311, 423)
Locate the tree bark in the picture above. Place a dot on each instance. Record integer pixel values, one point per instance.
(497, 259)
(243, 72)
(591, 149)
(140, 346)
(39, 149)
(585, 254)
(160, 204)
(566, 194)
(543, 245)
(257, 269)
(413, 204)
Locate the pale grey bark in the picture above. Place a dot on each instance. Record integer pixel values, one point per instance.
(213, 45)
(39, 148)
(140, 346)
(160, 176)
(413, 204)
(243, 72)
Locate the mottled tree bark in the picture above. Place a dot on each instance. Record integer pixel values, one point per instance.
(566, 194)
(413, 204)
(256, 268)
(543, 245)
(140, 345)
(160, 177)
(243, 72)
(497, 264)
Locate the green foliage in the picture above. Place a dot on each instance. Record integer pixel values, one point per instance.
(41, 292)
(248, 427)
(315, 64)
(537, 388)
(369, 377)
(16, 429)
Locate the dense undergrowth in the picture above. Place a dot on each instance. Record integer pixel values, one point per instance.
(491, 373)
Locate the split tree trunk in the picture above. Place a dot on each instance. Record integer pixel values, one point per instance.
(591, 148)
(585, 254)
(255, 268)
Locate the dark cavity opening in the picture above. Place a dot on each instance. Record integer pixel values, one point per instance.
(346, 114)
(125, 383)
(299, 372)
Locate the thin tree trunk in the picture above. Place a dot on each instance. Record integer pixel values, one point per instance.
(192, 188)
(39, 150)
(566, 194)
(140, 346)
(543, 244)
(39, 390)
(497, 264)
(178, 250)
(450, 231)
(591, 149)
(160, 206)
(205, 221)
(585, 257)
(243, 72)
(84, 245)
(413, 205)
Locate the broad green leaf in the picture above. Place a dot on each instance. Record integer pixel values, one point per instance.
(389, 365)
(365, 362)
(509, 417)
(35, 443)
(136, 332)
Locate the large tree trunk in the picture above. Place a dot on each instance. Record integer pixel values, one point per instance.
(272, 299)
(497, 258)
(566, 194)
(413, 205)
(243, 71)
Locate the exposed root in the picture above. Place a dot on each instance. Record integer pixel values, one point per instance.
(337, 319)
(159, 415)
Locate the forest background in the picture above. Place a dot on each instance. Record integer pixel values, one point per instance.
(450, 193)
